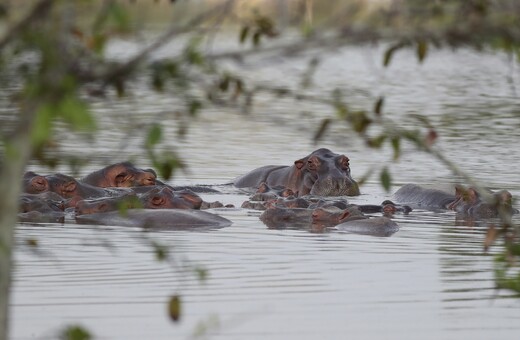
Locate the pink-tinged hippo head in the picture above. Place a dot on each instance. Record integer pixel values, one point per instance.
(123, 174)
(325, 173)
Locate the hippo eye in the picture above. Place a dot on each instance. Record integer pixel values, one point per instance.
(312, 164)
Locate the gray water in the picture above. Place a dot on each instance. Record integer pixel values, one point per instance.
(430, 280)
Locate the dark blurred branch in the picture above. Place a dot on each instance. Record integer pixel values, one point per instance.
(125, 68)
(39, 12)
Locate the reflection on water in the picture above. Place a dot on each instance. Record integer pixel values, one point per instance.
(430, 280)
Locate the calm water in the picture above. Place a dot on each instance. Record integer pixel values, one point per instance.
(430, 280)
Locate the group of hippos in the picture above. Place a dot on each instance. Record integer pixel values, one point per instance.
(310, 193)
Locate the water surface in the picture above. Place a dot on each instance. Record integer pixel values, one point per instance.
(430, 280)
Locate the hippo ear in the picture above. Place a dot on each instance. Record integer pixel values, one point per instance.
(344, 215)
(152, 171)
(473, 195)
(39, 183)
(262, 188)
(120, 178)
(69, 186)
(299, 163)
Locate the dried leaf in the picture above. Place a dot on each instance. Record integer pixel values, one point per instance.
(322, 129)
(422, 49)
(174, 308)
(379, 105)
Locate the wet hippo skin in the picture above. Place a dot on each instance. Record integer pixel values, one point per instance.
(123, 174)
(171, 219)
(322, 173)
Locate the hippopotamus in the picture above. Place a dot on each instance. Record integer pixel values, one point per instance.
(41, 217)
(318, 219)
(266, 193)
(47, 207)
(387, 208)
(156, 198)
(375, 226)
(289, 202)
(44, 202)
(123, 174)
(468, 202)
(278, 217)
(423, 198)
(465, 201)
(67, 187)
(321, 173)
(170, 219)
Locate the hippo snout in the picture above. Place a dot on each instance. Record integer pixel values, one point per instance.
(330, 186)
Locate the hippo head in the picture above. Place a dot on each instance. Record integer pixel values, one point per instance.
(330, 216)
(63, 185)
(326, 173)
(127, 175)
(166, 198)
(105, 204)
(123, 174)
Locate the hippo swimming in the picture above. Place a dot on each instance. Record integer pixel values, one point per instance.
(375, 226)
(123, 174)
(67, 187)
(318, 219)
(465, 201)
(156, 198)
(322, 173)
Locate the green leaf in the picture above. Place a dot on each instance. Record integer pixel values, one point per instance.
(174, 308)
(154, 135)
(256, 38)
(76, 113)
(75, 333)
(42, 125)
(161, 251)
(322, 129)
(194, 107)
(359, 121)
(396, 142)
(119, 85)
(390, 52)
(378, 141)
(202, 273)
(32, 242)
(243, 34)
(379, 105)
(386, 180)
(422, 49)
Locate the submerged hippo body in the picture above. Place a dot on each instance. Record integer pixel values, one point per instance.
(66, 187)
(376, 226)
(280, 217)
(44, 202)
(171, 219)
(470, 203)
(423, 198)
(123, 174)
(156, 198)
(41, 217)
(467, 202)
(322, 173)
